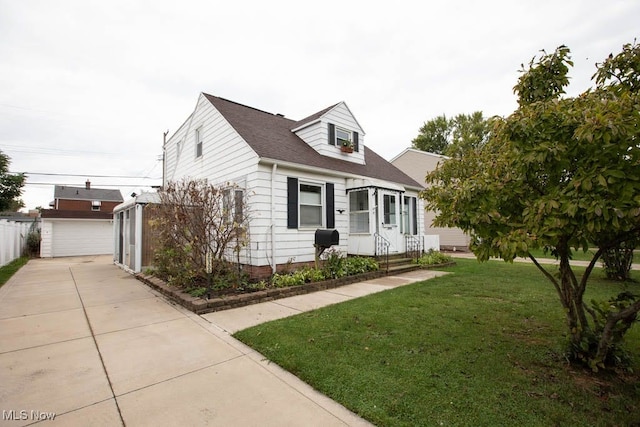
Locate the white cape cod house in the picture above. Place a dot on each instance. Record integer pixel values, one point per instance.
(299, 176)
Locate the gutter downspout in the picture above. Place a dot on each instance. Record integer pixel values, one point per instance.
(138, 208)
(164, 157)
(274, 169)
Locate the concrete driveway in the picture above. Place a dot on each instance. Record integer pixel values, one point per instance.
(84, 340)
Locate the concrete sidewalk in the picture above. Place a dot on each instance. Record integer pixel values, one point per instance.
(546, 261)
(82, 339)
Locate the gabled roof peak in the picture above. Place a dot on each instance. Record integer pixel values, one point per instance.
(314, 116)
(243, 105)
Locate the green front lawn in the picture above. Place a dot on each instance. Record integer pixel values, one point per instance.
(481, 346)
(10, 269)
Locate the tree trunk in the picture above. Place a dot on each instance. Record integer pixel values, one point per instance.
(572, 295)
(617, 261)
(609, 335)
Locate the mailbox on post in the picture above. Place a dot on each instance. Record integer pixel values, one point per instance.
(327, 238)
(324, 239)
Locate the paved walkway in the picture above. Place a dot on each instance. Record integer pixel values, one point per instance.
(82, 339)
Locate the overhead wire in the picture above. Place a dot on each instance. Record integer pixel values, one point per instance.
(88, 175)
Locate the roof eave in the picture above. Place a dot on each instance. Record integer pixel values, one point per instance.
(328, 172)
(307, 124)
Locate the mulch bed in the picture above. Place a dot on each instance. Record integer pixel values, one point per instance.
(202, 305)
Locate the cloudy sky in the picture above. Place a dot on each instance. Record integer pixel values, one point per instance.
(87, 88)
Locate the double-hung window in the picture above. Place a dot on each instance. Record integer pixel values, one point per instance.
(198, 142)
(343, 137)
(233, 206)
(310, 205)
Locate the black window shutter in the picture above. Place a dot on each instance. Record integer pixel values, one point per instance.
(332, 134)
(356, 145)
(331, 211)
(292, 202)
(414, 208)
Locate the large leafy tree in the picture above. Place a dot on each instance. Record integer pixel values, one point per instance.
(558, 173)
(10, 186)
(452, 136)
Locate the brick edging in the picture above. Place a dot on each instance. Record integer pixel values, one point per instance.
(201, 306)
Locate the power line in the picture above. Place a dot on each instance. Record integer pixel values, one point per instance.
(87, 175)
(99, 185)
(57, 151)
(49, 150)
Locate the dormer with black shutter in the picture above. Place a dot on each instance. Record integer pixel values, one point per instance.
(333, 132)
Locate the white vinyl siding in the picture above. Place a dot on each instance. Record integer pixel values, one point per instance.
(227, 158)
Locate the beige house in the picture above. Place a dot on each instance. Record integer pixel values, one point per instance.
(417, 164)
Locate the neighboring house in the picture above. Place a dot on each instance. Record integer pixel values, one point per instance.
(133, 247)
(300, 176)
(417, 164)
(80, 221)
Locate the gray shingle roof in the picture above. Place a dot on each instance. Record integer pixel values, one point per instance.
(81, 193)
(270, 136)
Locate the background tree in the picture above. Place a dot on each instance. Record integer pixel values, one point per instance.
(10, 186)
(198, 227)
(452, 136)
(434, 136)
(559, 173)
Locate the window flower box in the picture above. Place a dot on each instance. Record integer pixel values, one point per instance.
(346, 146)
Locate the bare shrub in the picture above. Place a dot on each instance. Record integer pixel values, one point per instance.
(199, 229)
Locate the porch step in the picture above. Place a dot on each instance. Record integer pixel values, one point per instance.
(398, 265)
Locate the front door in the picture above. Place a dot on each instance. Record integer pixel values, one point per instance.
(389, 218)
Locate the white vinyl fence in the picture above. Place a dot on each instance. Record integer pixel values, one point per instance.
(13, 239)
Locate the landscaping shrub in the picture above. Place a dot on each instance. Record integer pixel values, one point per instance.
(359, 265)
(286, 280)
(335, 266)
(434, 257)
(312, 274)
(33, 243)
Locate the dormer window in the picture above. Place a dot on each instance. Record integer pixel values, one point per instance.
(343, 137)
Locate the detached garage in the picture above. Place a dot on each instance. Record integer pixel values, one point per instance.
(66, 233)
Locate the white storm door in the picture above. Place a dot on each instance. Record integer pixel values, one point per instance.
(390, 218)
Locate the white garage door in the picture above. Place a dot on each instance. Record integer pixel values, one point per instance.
(78, 237)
